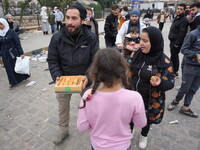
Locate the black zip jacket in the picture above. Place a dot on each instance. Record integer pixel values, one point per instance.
(178, 30)
(71, 57)
(110, 27)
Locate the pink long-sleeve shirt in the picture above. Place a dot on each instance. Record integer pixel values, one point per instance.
(108, 115)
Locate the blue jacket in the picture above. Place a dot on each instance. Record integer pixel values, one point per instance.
(191, 47)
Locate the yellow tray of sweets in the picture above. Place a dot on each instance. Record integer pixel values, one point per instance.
(69, 84)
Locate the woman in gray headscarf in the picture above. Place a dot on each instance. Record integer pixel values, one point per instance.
(44, 19)
(10, 48)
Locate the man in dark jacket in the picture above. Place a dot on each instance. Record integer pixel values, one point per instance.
(70, 53)
(191, 77)
(195, 11)
(177, 34)
(110, 26)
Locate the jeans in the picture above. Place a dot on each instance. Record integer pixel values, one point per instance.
(190, 84)
(52, 28)
(115, 47)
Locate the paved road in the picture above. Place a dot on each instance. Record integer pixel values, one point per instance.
(28, 115)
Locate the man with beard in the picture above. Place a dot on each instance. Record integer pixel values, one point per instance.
(111, 25)
(195, 12)
(70, 53)
(177, 34)
(125, 29)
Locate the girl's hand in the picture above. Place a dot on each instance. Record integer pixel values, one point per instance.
(155, 81)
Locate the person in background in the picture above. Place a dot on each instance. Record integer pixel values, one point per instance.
(55, 9)
(152, 75)
(147, 15)
(44, 19)
(122, 16)
(59, 18)
(110, 26)
(107, 111)
(171, 17)
(161, 19)
(195, 13)
(177, 34)
(70, 52)
(51, 21)
(10, 48)
(12, 24)
(91, 21)
(125, 29)
(191, 73)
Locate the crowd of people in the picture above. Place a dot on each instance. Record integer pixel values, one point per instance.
(129, 82)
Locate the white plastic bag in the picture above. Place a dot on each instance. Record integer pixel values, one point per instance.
(22, 65)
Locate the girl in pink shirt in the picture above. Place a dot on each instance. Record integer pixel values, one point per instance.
(108, 111)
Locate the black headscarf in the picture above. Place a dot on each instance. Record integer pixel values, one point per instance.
(154, 57)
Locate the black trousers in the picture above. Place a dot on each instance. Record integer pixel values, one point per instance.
(59, 23)
(175, 56)
(144, 131)
(161, 24)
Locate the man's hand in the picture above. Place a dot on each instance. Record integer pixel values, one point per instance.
(120, 46)
(198, 58)
(57, 79)
(85, 82)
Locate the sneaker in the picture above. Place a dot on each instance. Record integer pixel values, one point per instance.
(143, 142)
(172, 105)
(188, 112)
(60, 138)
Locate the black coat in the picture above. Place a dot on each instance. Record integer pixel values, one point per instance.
(69, 57)
(153, 96)
(110, 27)
(195, 23)
(10, 48)
(178, 30)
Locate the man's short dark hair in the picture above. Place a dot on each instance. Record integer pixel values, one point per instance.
(197, 4)
(182, 5)
(125, 8)
(114, 6)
